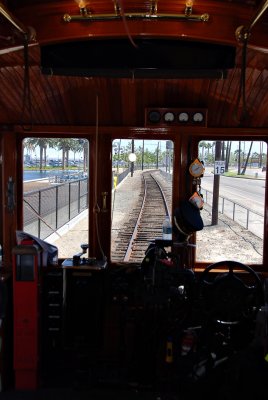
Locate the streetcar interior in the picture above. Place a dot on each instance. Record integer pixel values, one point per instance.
(115, 117)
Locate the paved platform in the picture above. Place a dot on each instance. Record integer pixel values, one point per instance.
(69, 237)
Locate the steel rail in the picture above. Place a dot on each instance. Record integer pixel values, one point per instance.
(142, 215)
(135, 231)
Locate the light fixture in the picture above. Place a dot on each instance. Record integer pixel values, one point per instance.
(188, 7)
(86, 15)
(153, 9)
(117, 7)
(82, 4)
(132, 157)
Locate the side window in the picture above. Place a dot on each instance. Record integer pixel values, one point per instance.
(233, 188)
(142, 173)
(55, 192)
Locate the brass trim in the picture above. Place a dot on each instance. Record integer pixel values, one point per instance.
(135, 16)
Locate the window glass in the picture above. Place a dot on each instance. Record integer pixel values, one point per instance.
(55, 192)
(141, 171)
(233, 188)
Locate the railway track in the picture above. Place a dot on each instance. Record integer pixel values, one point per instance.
(145, 220)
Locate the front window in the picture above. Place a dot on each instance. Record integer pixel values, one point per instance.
(55, 192)
(233, 188)
(142, 173)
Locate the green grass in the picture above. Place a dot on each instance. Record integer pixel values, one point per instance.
(235, 175)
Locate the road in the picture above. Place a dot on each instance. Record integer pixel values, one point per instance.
(247, 192)
(245, 202)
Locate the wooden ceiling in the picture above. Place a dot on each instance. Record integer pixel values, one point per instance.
(28, 96)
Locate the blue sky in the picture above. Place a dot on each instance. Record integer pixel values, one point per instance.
(150, 145)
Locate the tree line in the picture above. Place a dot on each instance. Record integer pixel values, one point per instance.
(144, 156)
(241, 157)
(65, 145)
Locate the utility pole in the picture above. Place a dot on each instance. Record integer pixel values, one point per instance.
(157, 154)
(216, 186)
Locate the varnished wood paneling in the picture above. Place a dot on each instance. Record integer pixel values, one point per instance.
(62, 100)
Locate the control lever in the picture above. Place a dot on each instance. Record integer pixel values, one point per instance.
(77, 257)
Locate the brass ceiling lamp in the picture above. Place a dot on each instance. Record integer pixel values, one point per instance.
(86, 15)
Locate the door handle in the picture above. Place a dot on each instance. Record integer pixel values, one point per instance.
(104, 201)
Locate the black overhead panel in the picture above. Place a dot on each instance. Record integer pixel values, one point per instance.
(149, 59)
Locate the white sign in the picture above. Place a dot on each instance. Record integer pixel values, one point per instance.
(219, 167)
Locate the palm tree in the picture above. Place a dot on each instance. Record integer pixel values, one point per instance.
(261, 154)
(203, 146)
(85, 154)
(209, 146)
(246, 162)
(76, 147)
(228, 153)
(213, 149)
(238, 154)
(42, 143)
(81, 146)
(65, 146)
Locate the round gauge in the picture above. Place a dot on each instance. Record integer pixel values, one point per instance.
(198, 117)
(196, 169)
(183, 117)
(154, 116)
(169, 116)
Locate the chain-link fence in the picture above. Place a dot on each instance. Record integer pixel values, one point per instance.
(48, 209)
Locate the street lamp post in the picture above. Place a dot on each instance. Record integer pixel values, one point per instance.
(132, 158)
(142, 157)
(132, 163)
